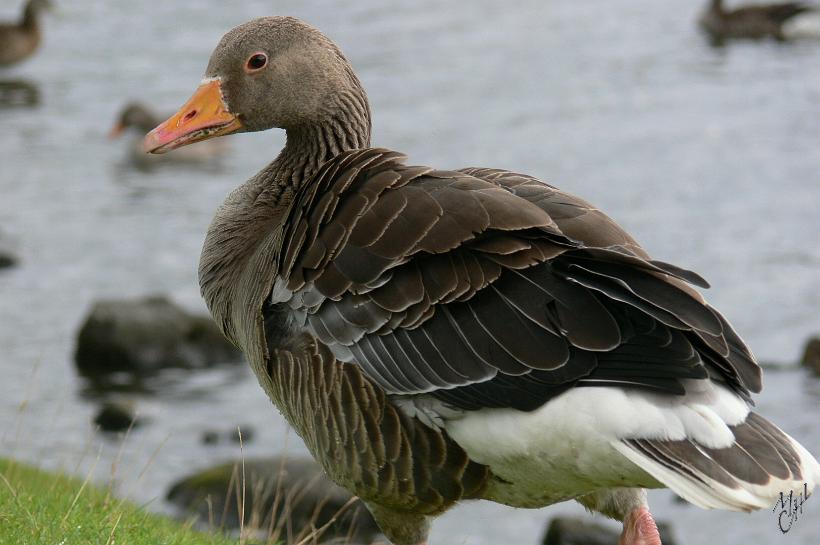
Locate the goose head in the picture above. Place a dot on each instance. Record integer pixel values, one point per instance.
(38, 6)
(272, 72)
(134, 116)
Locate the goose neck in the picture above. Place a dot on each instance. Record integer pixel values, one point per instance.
(344, 125)
(30, 15)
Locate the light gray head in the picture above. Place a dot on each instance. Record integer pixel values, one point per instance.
(281, 72)
(272, 72)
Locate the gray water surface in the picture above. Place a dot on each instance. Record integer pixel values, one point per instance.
(711, 158)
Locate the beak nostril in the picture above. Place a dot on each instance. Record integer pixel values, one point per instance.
(190, 115)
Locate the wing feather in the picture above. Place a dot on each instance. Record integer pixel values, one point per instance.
(489, 288)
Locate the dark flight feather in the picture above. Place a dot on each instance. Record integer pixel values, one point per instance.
(486, 288)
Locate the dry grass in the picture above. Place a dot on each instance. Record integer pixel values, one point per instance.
(268, 513)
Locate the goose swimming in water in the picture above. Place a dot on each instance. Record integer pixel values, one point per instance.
(20, 40)
(136, 119)
(437, 336)
(752, 21)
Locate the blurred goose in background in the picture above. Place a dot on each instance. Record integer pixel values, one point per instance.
(753, 22)
(438, 335)
(18, 93)
(136, 119)
(20, 40)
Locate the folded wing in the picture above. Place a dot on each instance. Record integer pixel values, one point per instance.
(487, 288)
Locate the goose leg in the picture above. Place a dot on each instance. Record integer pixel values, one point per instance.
(639, 529)
(628, 505)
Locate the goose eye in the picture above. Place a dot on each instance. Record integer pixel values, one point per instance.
(257, 61)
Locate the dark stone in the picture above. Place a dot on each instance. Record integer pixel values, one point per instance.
(581, 531)
(210, 437)
(114, 417)
(811, 355)
(7, 255)
(243, 434)
(7, 259)
(303, 496)
(146, 335)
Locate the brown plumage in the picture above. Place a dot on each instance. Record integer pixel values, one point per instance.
(20, 40)
(438, 335)
(753, 21)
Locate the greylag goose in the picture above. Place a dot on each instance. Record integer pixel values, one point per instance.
(436, 336)
(755, 21)
(137, 116)
(137, 119)
(18, 92)
(20, 40)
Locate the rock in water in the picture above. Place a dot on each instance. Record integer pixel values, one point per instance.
(7, 259)
(811, 355)
(114, 417)
(242, 434)
(579, 531)
(304, 498)
(7, 255)
(146, 335)
(239, 434)
(209, 437)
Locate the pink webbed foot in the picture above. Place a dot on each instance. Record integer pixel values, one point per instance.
(640, 529)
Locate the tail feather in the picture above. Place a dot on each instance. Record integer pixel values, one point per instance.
(750, 474)
(784, 12)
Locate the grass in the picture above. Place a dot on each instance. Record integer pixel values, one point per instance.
(39, 507)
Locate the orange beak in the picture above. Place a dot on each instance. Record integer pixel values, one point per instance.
(203, 116)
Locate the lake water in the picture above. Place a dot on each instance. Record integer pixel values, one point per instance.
(710, 157)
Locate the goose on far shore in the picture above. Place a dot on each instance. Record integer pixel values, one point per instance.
(755, 21)
(445, 335)
(21, 39)
(136, 119)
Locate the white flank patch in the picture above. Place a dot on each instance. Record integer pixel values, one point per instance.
(805, 26)
(566, 448)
